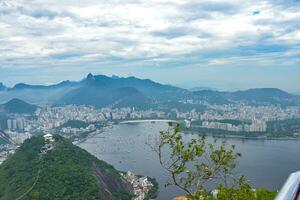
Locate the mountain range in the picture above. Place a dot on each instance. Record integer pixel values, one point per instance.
(104, 91)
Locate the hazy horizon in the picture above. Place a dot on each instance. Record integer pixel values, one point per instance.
(189, 86)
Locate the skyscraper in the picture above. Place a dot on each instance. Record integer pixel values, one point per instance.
(9, 124)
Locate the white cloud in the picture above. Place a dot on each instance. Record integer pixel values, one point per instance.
(40, 33)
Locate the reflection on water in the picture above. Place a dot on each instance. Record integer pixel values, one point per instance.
(265, 163)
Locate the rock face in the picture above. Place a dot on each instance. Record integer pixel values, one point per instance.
(105, 182)
(64, 172)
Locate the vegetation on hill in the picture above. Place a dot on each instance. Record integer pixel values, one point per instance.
(67, 173)
(243, 192)
(212, 96)
(257, 96)
(266, 95)
(152, 194)
(75, 124)
(182, 107)
(18, 106)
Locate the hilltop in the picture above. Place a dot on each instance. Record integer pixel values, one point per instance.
(65, 172)
(18, 106)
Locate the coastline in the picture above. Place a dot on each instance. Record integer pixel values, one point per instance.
(229, 136)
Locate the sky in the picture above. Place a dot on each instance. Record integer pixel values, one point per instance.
(221, 44)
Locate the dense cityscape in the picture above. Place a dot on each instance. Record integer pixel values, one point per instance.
(77, 122)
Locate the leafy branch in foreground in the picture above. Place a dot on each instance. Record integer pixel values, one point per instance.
(194, 163)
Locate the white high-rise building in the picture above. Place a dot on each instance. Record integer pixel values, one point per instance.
(9, 124)
(14, 124)
(20, 123)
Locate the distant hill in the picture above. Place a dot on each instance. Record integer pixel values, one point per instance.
(266, 95)
(212, 96)
(66, 172)
(258, 96)
(17, 106)
(38, 94)
(22, 86)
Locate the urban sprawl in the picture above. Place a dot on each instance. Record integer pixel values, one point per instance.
(52, 119)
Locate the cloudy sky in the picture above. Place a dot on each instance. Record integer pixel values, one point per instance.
(231, 44)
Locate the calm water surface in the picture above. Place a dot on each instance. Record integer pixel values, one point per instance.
(266, 163)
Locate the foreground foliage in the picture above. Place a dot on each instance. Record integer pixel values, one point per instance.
(243, 192)
(196, 163)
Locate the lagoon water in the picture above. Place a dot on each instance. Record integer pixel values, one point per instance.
(265, 163)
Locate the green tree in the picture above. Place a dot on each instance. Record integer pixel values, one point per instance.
(194, 163)
(263, 194)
